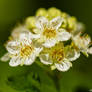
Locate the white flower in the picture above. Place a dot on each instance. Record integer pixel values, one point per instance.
(21, 29)
(82, 43)
(23, 50)
(18, 30)
(59, 56)
(79, 28)
(50, 32)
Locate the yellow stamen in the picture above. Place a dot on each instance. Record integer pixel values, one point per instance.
(49, 33)
(58, 55)
(26, 51)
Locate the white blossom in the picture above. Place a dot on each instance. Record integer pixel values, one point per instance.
(59, 56)
(56, 39)
(22, 51)
(83, 43)
(50, 31)
(21, 29)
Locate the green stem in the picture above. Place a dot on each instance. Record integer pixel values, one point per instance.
(55, 75)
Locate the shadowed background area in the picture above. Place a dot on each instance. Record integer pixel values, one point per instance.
(79, 77)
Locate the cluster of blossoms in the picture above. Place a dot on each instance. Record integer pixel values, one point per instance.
(54, 36)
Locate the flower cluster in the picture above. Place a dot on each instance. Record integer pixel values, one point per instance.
(52, 35)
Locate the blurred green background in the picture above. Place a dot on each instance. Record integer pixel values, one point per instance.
(32, 78)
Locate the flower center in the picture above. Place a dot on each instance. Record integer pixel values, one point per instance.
(57, 55)
(49, 33)
(26, 51)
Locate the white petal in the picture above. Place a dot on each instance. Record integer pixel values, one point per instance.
(45, 59)
(15, 61)
(41, 22)
(25, 35)
(90, 50)
(28, 35)
(73, 55)
(13, 47)
(76, 56)
(64, 66)
(5, 57)
(63, 35)
(35, 36)
(25, 39)
(49, 43)
(56, 22)
(18, 30)
(30, 59)
(33, 56)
